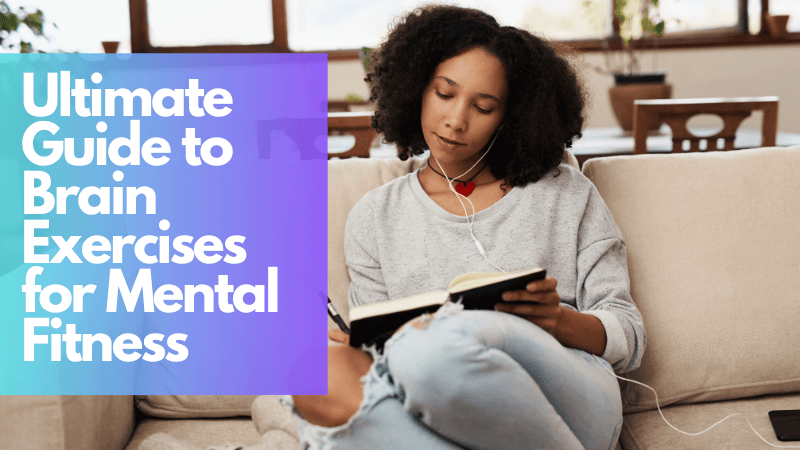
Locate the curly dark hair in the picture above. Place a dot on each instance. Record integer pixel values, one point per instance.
(545, 102)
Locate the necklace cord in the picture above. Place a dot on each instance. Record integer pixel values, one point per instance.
(454, 179)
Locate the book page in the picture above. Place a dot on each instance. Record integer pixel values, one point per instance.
(467, 278)
(472, 280)
(400, 304)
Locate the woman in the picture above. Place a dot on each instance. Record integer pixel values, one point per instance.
(496, 106)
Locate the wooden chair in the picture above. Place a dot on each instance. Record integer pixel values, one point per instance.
(676, 112)
(357, 124)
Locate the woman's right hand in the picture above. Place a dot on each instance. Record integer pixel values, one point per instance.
(339, 336)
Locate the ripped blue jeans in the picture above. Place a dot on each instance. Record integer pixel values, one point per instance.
(478, 380)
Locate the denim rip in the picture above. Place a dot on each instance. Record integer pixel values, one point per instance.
(377, 386)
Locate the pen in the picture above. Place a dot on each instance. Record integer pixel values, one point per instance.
(336, 317)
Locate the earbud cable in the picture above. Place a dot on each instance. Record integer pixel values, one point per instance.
(467, 215)
(700, 432)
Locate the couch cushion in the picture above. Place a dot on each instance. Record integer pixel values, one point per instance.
(63, 422)
(714, 256)
(273, 422)
(194, 406)
(199, 432)
(31, 422)
(647, 430)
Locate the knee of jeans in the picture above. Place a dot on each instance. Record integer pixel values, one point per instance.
(432, 368)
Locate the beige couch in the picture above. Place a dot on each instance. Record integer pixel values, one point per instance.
(714, 256)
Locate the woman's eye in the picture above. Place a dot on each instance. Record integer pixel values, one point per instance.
(443, 96)
(483, 111)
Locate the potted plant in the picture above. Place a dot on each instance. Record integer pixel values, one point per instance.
(10, 22)
(622, 58)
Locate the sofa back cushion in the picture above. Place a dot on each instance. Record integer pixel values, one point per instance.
(348, 181)
(713, 242)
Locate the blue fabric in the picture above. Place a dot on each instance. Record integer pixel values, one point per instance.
(480, 380)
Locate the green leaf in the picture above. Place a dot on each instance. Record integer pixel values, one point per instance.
(646, 24)
(353, 98)
(654, 2)
(35, 22)
(659, 28)
(619, 11)
(25, 47)
(10, 22)
(365, 58)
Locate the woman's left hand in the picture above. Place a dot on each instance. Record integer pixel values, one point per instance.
(547, 310)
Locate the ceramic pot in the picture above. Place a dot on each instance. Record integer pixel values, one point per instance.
(623, 95)
(110, 46)
(777, 24)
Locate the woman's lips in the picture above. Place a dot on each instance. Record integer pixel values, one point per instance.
(448, 141)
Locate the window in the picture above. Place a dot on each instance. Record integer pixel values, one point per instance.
(169, 26)
(349, 24)
(791, 7)
(341, 26)
(688, 16)
(206, 22)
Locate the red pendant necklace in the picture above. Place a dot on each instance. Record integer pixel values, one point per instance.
(462, 187)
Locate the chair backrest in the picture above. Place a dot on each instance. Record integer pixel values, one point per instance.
(359, 125)
(676, 112)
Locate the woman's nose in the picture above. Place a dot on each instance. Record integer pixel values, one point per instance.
(457, 118)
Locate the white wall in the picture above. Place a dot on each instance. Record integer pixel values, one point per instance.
(713, 72)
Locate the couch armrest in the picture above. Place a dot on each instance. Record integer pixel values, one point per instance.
(66, 422)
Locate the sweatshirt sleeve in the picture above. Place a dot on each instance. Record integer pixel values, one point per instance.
(603, 286)
(367, 284)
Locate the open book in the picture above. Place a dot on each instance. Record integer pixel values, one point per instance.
(373, 324)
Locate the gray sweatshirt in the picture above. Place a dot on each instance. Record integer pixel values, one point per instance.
(399, 242)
